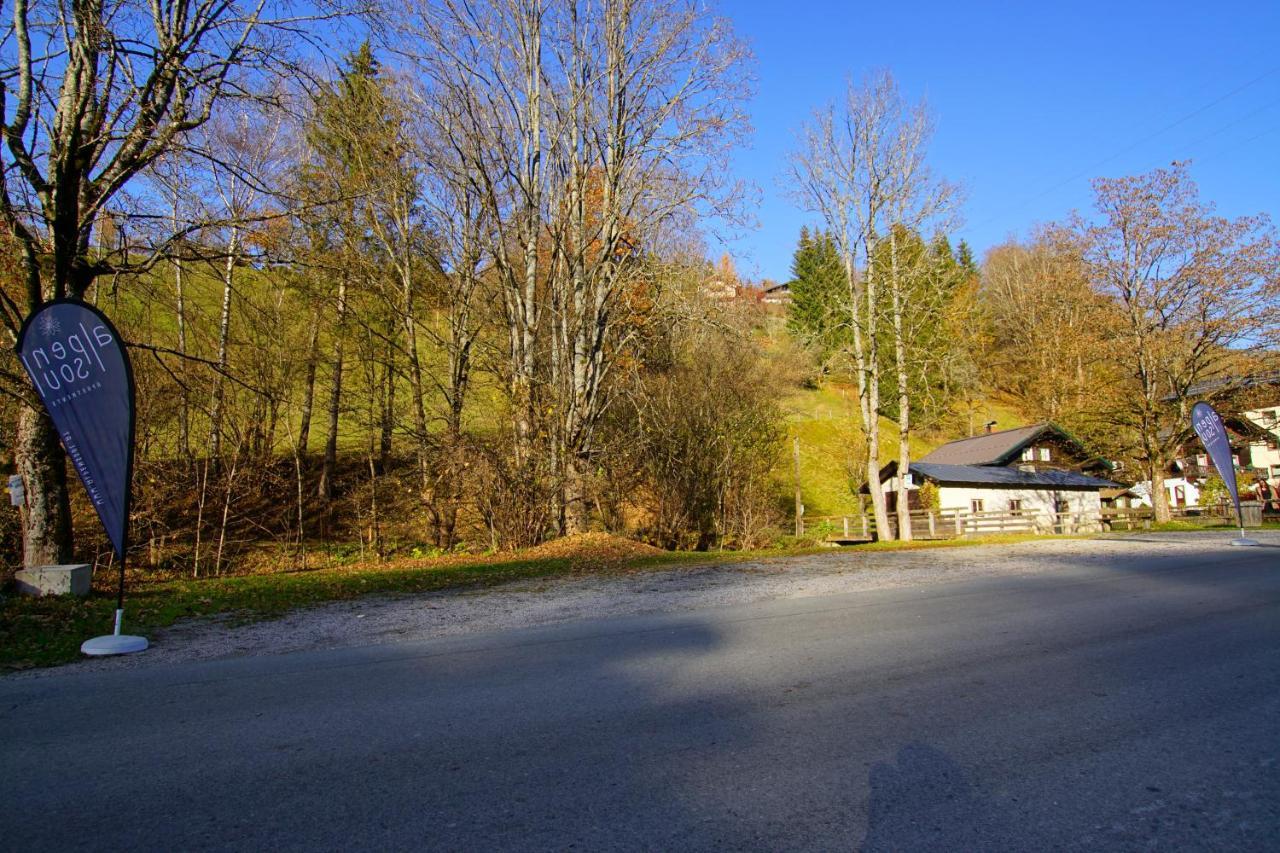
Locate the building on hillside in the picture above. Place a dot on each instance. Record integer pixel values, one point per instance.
(1040, 470)
(777, 294)
(721, 289)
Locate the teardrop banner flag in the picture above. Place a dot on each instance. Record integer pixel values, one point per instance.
(1213, 435)
(80, 369)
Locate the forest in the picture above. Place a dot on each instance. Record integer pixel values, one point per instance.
(442, 281)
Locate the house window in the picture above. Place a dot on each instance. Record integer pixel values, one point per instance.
(1179, 495)
(1028, 454)
(1202, 460)
(1060, 506)
(1275, 470)
(976, 505)
(1015, 506)
(1044, 454)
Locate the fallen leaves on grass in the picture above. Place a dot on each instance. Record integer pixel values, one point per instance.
(590, 550)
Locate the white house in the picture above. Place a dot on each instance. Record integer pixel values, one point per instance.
(1264, 454)
(1040, 470)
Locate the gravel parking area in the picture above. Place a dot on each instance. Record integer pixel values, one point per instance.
(379, 620)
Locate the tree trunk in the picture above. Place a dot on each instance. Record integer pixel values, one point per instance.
(1159, 496)
(184, 406)
(309, 386)
(388, 413)
(46, 534)
(224, 336)
(415, 378)
(577, 508)
(871, 407)
(904, 399)
(335, 399)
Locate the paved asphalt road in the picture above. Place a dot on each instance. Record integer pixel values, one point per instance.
(1125, 707)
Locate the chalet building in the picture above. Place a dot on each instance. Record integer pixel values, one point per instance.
(777, 294)
(1039, 470)
(721, 289)
(1254, 437)
(1263, 472)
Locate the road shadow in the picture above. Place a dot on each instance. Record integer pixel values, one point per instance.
(924, 800)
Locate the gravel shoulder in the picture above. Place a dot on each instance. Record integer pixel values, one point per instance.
(381, 620)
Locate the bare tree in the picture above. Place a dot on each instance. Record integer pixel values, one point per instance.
(1190, 286)
(92, 93)
(917, 201)
(246, 164)
(1052, 333)
(860, 167)
(618, 116)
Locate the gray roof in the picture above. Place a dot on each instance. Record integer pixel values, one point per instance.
(993, 448)
(989, 475)
(1230, 383)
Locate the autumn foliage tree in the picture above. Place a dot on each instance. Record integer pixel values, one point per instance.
(1190, 289)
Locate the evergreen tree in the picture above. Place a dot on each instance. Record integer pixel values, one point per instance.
(935, 303)
(817, 290)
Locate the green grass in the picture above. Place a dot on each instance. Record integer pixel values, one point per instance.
(827, 422)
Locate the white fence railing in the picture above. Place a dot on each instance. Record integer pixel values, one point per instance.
(951, 524)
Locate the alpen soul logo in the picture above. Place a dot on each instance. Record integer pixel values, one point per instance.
(64, 367)
(79, 367)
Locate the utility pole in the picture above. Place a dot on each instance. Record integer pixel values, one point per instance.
(795, 446)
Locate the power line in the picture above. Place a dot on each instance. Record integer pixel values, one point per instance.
(1230, 125)
(1240, 145)
(1144, 140)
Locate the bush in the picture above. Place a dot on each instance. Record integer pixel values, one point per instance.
(699, 433)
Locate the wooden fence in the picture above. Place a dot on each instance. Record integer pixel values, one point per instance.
(949, 524)
(1142, 517)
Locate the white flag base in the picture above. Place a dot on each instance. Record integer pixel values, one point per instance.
(1242, 542)
(114, 644)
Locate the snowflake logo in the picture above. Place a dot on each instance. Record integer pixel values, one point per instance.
(50, 326)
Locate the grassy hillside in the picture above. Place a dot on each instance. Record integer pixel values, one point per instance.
(827, 422)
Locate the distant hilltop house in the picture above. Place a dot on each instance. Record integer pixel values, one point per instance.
(722, 283)
(777, 294)
(1040, 470)
(720, 288)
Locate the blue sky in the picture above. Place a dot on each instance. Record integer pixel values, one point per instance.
(1030, 101)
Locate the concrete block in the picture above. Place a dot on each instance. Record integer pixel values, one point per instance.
(55, 580)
